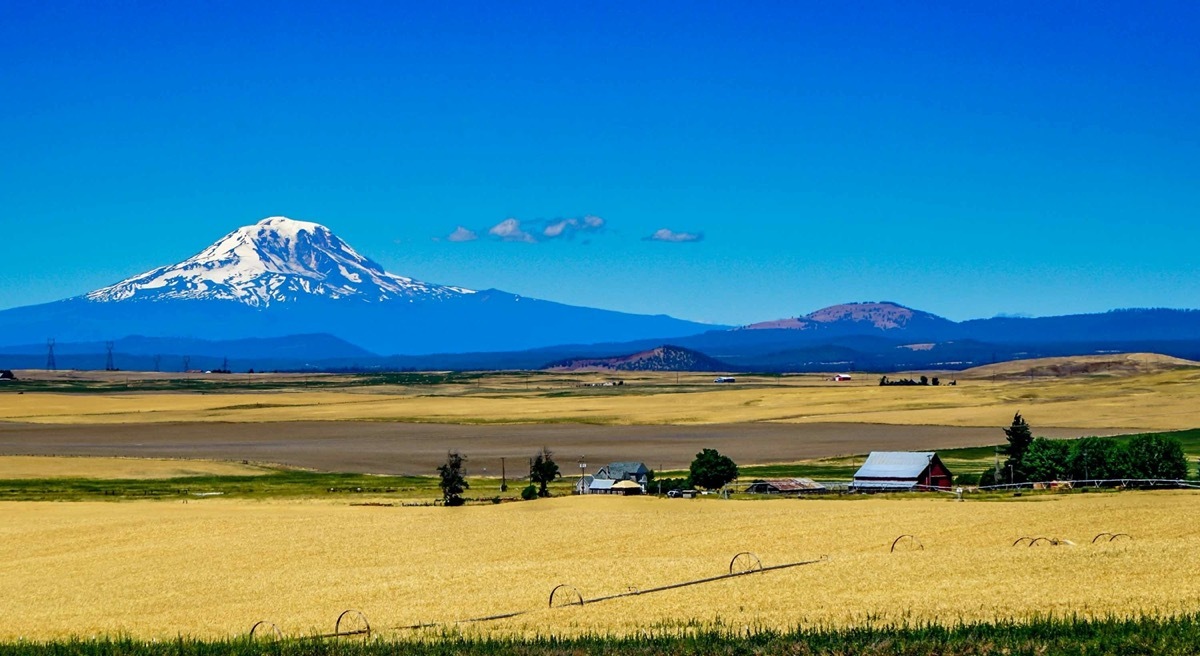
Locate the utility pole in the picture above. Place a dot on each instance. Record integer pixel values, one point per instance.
(51, 365)
(503, 476)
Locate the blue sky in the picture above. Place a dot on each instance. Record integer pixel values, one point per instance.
(968, 159)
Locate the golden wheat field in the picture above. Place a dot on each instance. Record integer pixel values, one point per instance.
(1158, 400)
(26, 467)
(213, 568)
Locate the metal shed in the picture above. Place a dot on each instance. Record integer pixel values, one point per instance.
(786, 486)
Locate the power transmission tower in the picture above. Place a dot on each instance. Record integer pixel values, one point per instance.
(157, 362)
(187, 363)
(108, 359)
(51, 365)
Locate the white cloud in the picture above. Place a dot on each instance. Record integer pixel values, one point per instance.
(569, 227)
(510, 230)
(462, 234)
(531, 232)
(556, 229)
(665, 234)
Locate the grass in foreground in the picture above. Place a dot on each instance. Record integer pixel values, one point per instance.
(1091, 637)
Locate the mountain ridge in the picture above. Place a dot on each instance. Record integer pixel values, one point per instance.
(281, 277)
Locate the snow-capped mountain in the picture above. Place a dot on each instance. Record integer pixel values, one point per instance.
(275, 260)
(281, 277)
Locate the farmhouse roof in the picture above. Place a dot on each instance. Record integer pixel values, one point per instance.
(601, 484)
(620, 470)
(626, 485)
(895, 465)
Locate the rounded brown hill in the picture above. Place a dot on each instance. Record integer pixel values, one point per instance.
(1114, 364)
(663, 358)
(879, 316)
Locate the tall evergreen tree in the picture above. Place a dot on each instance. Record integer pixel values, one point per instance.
(1019, 438)
(452, 482)
(542, 471)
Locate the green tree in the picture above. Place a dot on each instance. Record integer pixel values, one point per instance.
(1156, 456)
(543, 471)
(711, 470)
(1046, 460)
(1019, 438)
(452, 482)
(1098, 458)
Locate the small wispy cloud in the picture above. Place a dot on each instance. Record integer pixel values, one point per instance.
(667, 235)
(569, 227)
(533, 232)
(462, 234)
(510, 230)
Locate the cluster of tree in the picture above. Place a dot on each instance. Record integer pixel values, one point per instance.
(1091, 458)
(664, 485)
(452, 477)
(884, 381)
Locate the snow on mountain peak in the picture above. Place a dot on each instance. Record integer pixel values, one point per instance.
(275, 260)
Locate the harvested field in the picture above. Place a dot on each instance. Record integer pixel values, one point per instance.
(1158, 400)
(416, 449)
(35, 467)
(212, 568)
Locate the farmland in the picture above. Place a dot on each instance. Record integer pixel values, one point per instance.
(1154, 399)
(212, 567)
(40, 467)
(205, 548)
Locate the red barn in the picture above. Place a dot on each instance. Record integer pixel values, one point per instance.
(902, 471)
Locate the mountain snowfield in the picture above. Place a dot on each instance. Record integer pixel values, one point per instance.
(276, 260)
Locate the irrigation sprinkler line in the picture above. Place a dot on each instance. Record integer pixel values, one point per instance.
(709, 579)
(619, 595)
(1096, 482)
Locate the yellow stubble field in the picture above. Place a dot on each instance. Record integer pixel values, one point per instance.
(31, 467)
(1158, 400)
(212, 568)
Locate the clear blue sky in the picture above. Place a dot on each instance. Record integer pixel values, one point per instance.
(965, 158)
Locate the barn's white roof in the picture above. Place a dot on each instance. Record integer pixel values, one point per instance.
(895, 465)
